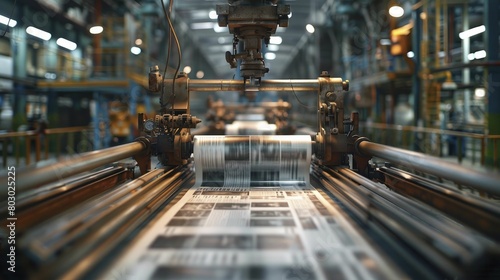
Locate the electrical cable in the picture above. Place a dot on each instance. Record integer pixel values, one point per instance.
(296, 97)
(174, 34)
(179, 53)
(8, 22)
(169, 44)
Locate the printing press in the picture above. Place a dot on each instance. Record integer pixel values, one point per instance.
(251, 200)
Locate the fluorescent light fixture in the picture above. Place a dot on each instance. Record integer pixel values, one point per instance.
(50, 76)
(471, 32)
(270, 56)
(480, 54)
(410, 54)
(219, 29)
(385, 42)
(5, 21)
(310, 28)
(187, 69)
(66, 44)
(480, 92)
(200, 74)
(471, 56)
(96, 29)
(202, 25)
(273, 48)
(212, 14)
(275, 40)
(135, 50)
(396, 11)
(33, 31)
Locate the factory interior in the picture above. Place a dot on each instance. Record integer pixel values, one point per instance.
(250, 139)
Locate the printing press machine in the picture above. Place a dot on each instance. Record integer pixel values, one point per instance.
(78, 216)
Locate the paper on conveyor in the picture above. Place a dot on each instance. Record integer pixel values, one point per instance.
(251, 161)
(252, 214)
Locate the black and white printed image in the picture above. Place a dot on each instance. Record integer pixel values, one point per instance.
(250, 272)
(270, 204)
(307, 223)
(272, 223)
(225, 241)
(193, 213)
(270, 213)
(173, 242)
(232, 206)
(198, 206)
(178, 222)
(279, 242)
(232, 193)
(321, 208)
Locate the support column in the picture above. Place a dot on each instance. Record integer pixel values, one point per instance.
(416, 88)
(19, 48)
(492, 9)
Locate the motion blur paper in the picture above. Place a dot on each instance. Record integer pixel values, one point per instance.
(252, 214)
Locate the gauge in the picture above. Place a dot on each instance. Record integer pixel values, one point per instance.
(149, 125)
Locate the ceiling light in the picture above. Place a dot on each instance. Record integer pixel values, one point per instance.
(385, 42)
(480, 54)
(5, 21)
(96, 29)
(275, 40)
(212, 14)
(187, 69)
(410, 54)
(219, 29)
(310, 28)
(200, 74)
(33, 31)
(138, 42)
(471, 32)
(270, 56)
(66, 44)
(396, 11)
(471, 56)
(273, 48)
(479, 92)
(135, 50)
(202, 25)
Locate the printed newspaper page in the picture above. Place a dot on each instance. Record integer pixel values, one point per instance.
(252, 214)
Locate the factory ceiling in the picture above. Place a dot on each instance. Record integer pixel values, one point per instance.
(215, 41)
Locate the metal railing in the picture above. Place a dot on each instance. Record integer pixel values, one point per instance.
(434, 141)
(42, 142)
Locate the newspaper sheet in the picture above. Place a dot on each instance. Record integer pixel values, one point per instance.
(252, 214)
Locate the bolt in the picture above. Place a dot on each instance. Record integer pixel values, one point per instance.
(330, 96)
(154, 68)
(324, 74)
(345, 85)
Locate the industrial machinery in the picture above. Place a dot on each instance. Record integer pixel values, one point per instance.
(252, 213)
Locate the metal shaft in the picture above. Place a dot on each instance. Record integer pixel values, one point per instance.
(265, 85)
(34, 176)
(487, 182)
